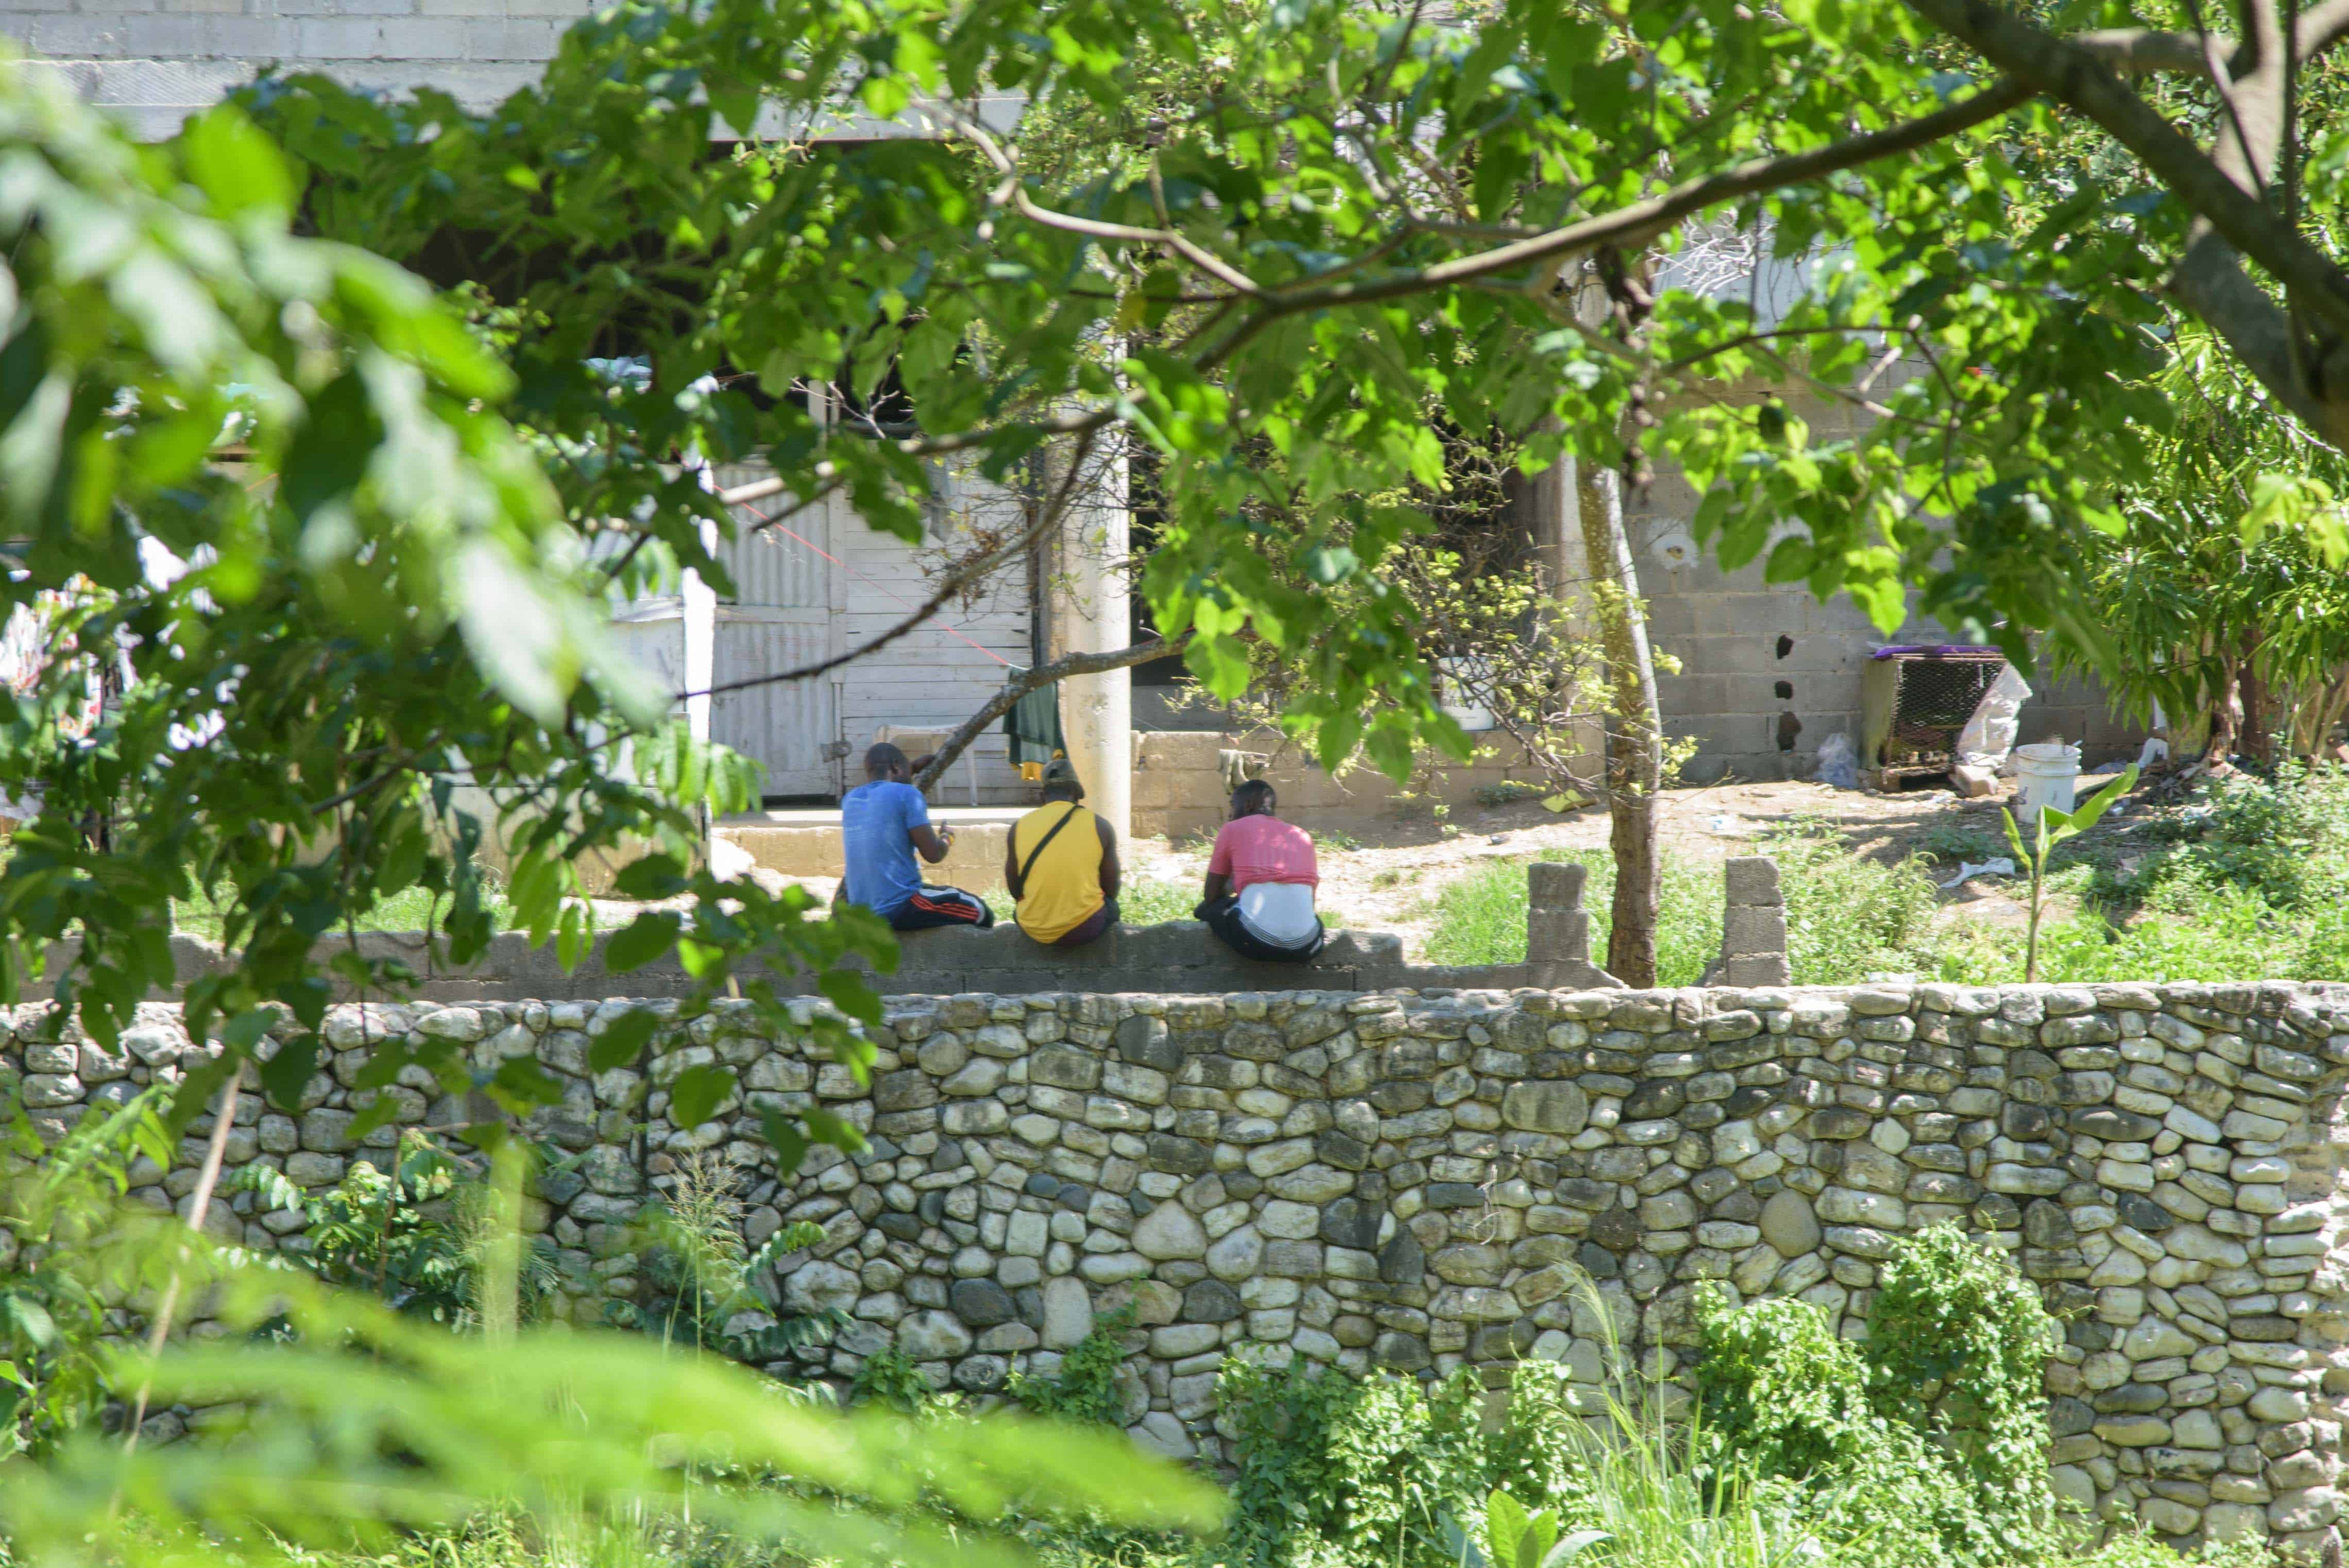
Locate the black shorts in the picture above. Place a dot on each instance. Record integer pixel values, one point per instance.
(936, 906)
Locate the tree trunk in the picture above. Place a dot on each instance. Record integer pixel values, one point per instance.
(1634, 727)
(2259, 727)
(2225, 715)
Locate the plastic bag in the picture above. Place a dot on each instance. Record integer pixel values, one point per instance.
(1989, 735)
(1838, 762)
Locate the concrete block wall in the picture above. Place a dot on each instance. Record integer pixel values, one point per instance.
(1765, 664)
(1425, 1182)
(157, 61)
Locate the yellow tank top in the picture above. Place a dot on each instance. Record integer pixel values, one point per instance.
(1063, 887)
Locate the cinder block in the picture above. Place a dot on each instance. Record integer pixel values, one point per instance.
(506, 39)
(1757, 969)
(342, 39)
(1752, 928)
(1753, 880)
(248, 37)
(78, 37)
(1556, 935)
(1555, 884)
(412, 38)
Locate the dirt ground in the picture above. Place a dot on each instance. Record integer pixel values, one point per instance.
(1384, 876)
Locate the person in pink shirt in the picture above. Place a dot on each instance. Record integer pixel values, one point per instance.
(1260, 882)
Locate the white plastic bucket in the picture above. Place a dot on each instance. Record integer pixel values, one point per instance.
(2044, 776)
(1453, 678)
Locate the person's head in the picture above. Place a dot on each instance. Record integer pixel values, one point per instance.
(884, 761)
(1060, 780)
(1254, 799)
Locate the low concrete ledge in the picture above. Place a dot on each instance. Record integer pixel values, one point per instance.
(1182, 956)
(1178, 956)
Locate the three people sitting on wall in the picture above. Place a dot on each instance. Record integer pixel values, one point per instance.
(1060, 864)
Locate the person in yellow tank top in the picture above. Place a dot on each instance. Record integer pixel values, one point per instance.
(1061, 865)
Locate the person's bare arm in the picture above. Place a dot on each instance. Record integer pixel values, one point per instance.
(931, 842)
(1217, 882)
(1011, 868)
(1112, 874)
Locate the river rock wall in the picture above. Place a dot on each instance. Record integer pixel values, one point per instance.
(1418, 1180)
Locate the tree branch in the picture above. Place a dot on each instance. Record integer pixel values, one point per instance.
(2141, 50)
(1632, 226)
(1047, 518)
(1020, 685)
(2073, 77)
(199, 1205)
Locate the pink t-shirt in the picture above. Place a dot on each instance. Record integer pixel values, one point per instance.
(1261, 848)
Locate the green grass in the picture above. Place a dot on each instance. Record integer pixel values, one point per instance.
(1847, 918)
(2210, 903)
(1480, 918)
(409, 911)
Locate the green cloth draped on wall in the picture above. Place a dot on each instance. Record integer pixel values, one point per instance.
(1033, 729)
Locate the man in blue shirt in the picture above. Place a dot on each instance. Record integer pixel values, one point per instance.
(881, 823)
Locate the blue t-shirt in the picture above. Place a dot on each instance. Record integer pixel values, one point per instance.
(875, 819)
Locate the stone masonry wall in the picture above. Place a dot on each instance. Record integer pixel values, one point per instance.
(1417, 1181)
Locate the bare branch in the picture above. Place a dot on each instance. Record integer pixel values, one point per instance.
(1013, 190)
(957, 579)
(1042, 675)
(2209, 281)
(2320, 27)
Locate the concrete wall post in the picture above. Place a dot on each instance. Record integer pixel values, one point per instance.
(1557, 928)
(1090, 612)
(1752, 926)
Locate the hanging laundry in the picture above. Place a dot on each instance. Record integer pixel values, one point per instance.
(1033, 729)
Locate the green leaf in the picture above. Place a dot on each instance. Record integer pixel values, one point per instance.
(285, 1074)
(697, 1093)
(30, 1319)
(1572, 1545)
(790, 1144)
(524, 1083)
(640, 942)
(2086, 814)
(1506, 1523)
(623, 1040)
(235, 164)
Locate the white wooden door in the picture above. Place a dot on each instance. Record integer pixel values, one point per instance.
(779, 618)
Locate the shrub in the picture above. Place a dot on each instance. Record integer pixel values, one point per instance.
(1924, 1443)
(1336, 1471)
(1086, 1387)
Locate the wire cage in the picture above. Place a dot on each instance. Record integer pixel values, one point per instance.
(1913, 703)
